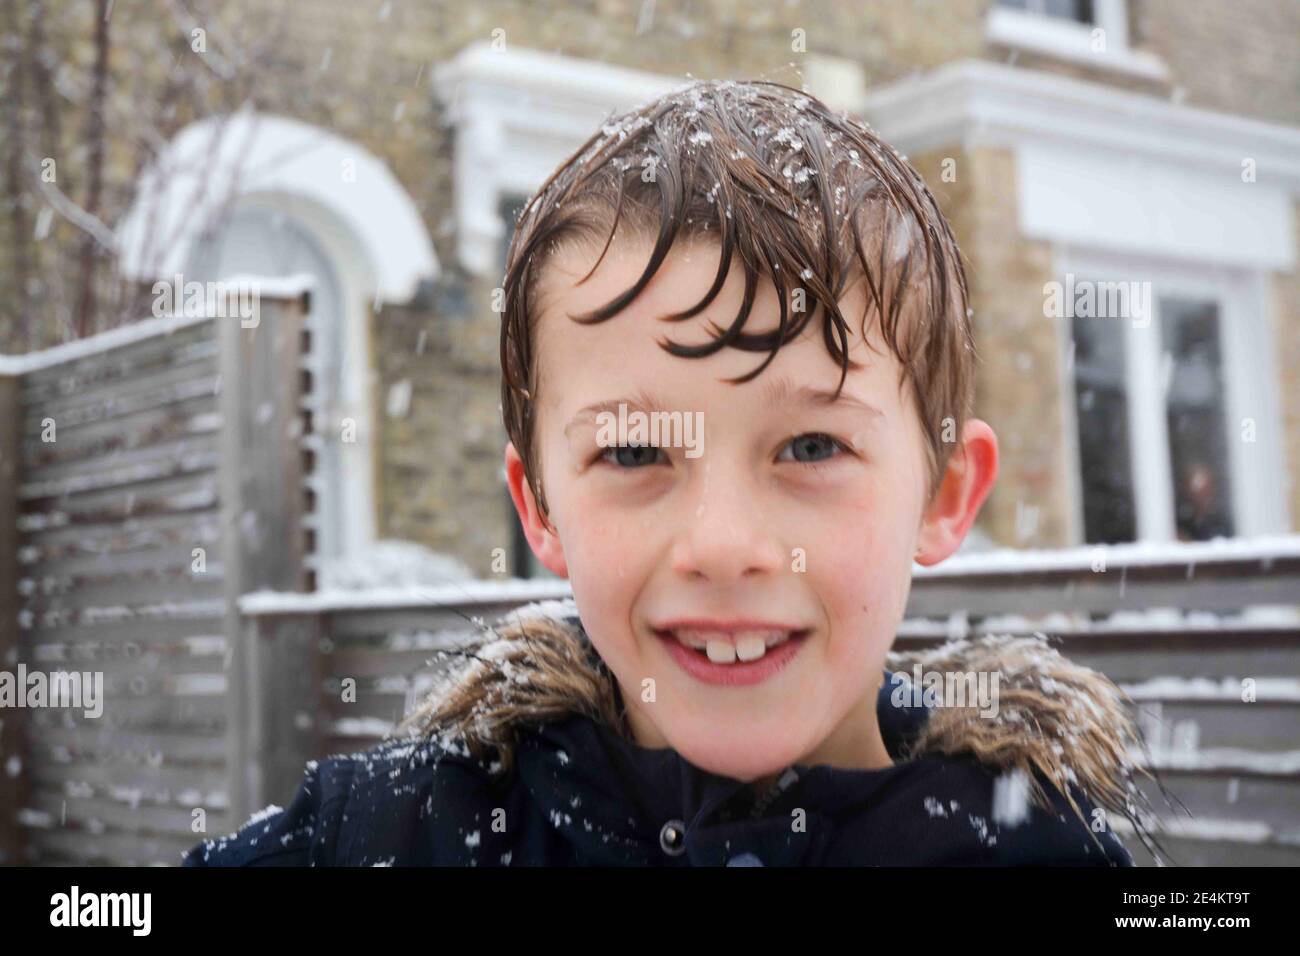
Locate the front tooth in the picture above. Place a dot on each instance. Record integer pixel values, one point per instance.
(721, 652)
(751, 647)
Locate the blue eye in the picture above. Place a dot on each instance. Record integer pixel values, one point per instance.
(811, 443)
(631, 456)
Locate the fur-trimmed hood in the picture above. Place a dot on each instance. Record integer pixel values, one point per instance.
(1057, 724)
(521, 757)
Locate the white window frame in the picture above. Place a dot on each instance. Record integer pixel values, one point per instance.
(517, 114)
(1083, 151)
(1070, 40)
(1258, 505)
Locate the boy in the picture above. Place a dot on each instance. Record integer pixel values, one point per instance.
(738, 256)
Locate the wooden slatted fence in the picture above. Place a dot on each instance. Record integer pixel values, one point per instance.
(152, 475)
(1178, 628)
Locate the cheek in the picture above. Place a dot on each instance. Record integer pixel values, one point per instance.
(608, 560)
(862, 560)
(597, 539)
(864, 571)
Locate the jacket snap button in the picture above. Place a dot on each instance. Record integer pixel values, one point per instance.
(744, 859)
(672, 838)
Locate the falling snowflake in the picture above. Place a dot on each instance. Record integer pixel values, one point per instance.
(982, 829)
(1011, 798)
(935, 807)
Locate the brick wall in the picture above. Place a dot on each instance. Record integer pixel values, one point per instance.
(1018, 376)
(440, 450)
(1241, 57)
(362, 69)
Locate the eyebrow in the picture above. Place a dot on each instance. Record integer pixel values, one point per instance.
(775, 392)
(783, 390)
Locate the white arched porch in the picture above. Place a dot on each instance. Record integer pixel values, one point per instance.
(256, 194)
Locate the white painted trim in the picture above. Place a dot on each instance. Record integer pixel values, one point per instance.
(1112, 16)
(1072, 41)
(570, 81)
(518, 114)
(213, 162)
(1107, 168)
(977, 102)
(1148, 434)
(1096, 197)
(1261, 497)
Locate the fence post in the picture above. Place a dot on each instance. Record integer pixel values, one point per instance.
(283, 673)
(262, 505)
(11, 737)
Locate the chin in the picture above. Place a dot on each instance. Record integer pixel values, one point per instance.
(736, 756)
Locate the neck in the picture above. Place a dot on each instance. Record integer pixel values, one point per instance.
(856, 744)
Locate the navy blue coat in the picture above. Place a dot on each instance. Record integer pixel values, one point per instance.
(580, 794)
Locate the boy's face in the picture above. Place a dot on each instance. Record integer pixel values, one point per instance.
(746, 524)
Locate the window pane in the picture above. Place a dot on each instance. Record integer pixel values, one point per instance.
(1101, 401)
(525, 562)
(509, 209)
(1198, 448)
(1077, 10)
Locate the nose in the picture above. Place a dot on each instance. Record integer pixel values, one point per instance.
(723, 533)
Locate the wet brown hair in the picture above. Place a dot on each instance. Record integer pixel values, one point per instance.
(807, 198)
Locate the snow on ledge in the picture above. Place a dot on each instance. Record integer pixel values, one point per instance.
(391, 563)
(271, 287)
(1001, 561)
(97, 344)
(1206, 829)
(1139, 554)
(1283, 763)
(1268, 690)
(508, 591)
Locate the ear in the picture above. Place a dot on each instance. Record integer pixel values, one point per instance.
(971, 471)
(537, 529)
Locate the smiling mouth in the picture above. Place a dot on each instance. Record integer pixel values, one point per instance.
(730, 647)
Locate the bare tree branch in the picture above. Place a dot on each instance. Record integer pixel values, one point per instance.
(95, 129)
(90, 224)
(16, 130)
(211, 58)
